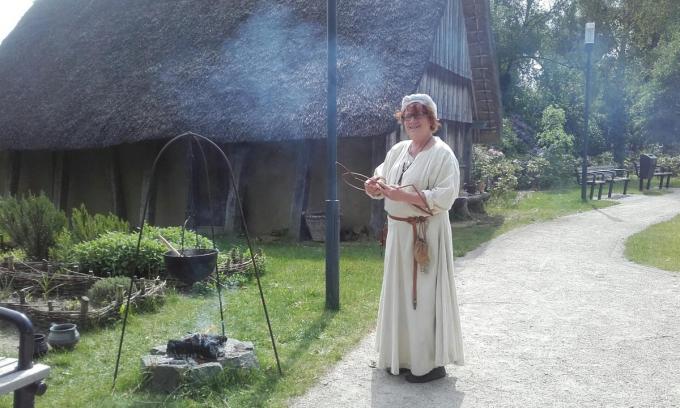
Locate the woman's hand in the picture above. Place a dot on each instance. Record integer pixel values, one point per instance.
(372, 187)
(400, 194)
(394, 194)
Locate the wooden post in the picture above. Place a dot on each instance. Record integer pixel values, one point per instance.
(467, 154)
(14, 172)
(146, 184)
(444, 132)
(60, 180)
(119, 293)
(238, 155)
(50, 305)
(84, 308)
(303, 150)
(116, 183)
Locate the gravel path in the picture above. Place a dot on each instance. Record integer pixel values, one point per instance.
(552, 316)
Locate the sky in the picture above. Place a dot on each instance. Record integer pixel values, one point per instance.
(10, 14)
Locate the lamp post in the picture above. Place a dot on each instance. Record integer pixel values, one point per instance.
(332, 203)
(589, 42)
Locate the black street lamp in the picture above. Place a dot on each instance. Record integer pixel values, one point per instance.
(332, 203)
(589, 42)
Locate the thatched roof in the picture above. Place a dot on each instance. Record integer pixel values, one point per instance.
(95, 73)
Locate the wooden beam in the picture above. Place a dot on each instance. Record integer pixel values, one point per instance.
(467, 154)
(60, 180)
(238, 155)
(14, 172)
(116, 182)
(303, 150)
(150, 190)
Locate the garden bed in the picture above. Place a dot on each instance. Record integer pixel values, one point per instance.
(44, 312)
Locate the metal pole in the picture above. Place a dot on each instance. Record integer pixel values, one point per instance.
(584, 168)
(332, 204)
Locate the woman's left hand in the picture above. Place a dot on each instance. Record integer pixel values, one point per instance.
(394, 194)
(400, 194)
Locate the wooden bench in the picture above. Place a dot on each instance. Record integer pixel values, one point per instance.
(612, 175)
(592, 179)
(659, 171)
(22, 376)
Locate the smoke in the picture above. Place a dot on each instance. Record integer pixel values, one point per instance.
(271, 73)
(269, 65)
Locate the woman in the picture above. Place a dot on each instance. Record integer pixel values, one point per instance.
(418, 322)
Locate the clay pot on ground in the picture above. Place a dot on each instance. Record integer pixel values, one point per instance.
(63, 335)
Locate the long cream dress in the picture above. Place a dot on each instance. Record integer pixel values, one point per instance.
(430, 335)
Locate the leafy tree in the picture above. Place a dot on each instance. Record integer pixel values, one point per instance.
(552, 135)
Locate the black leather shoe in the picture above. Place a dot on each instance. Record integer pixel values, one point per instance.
(401, 371)
(435, 374)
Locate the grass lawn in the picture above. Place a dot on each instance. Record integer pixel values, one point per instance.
(658, 246)
(309, 339)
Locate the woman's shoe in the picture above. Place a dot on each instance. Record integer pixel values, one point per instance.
(401, 371)
(435, 374)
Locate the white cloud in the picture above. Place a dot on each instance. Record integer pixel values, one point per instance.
(11, 12)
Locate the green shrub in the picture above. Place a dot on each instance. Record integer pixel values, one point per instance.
(62, 250)
(532, 174)
(86, 227)
(105, 290)
(552, 135)
(113, 253)
(174, 235)
(671, 162)
(494, 169)
(17, 253)
(602, 159)
(561, 169)
(32, 223)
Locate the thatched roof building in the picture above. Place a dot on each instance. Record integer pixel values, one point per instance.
(79, 74)
(91, 74)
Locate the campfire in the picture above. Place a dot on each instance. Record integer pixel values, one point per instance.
(205, 347)
(195, 357)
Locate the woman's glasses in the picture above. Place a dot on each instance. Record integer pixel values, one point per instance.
(412, 116)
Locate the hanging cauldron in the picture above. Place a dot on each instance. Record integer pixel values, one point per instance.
(191, 265)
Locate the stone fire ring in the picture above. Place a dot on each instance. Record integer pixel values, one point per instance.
(167, 373)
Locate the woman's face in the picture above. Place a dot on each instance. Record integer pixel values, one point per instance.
(416, 122)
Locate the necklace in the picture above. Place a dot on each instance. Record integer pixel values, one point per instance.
(413, 152)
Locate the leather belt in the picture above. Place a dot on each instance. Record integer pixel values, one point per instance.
(414, 221)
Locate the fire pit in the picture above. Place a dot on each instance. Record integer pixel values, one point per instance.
(195, 357)
(197, 346)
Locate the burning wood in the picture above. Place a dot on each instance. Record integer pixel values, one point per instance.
(205, 346)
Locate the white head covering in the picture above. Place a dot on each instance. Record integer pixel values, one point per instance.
(420, 98)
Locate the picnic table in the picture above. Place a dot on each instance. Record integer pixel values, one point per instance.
(20, 375)
(604, 175)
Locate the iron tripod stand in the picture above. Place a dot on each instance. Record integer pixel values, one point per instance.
(197, 139)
